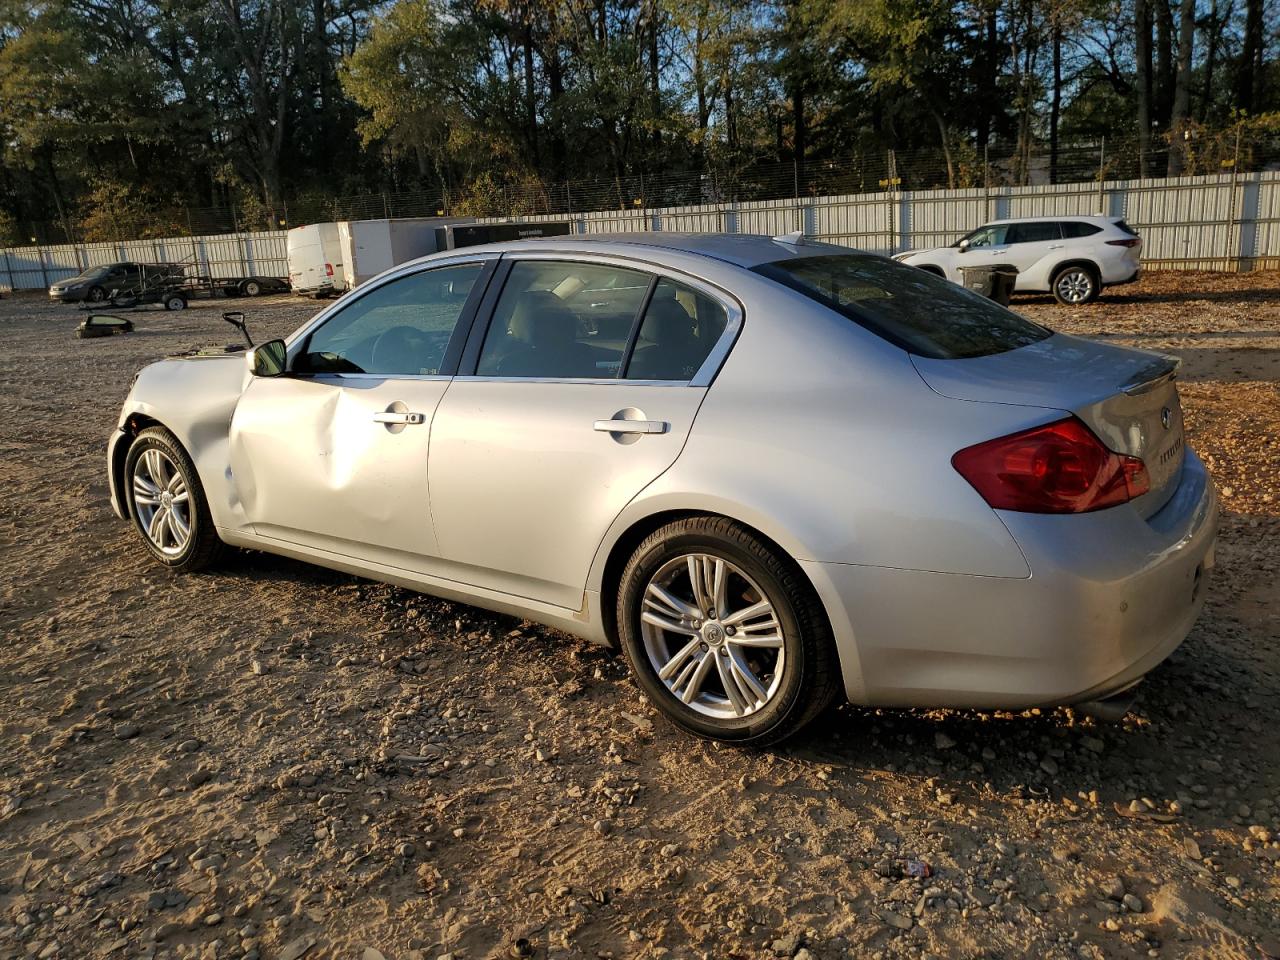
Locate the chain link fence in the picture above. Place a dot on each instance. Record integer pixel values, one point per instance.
(1203, 153)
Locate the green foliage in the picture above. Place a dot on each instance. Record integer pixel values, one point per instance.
(110, 106)
(114, 210)
(10, 235)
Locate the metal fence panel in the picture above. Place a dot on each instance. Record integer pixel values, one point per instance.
(1217, 222)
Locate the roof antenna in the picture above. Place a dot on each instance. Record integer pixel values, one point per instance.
(794, 238)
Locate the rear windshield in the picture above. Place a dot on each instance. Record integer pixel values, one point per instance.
(917, 310)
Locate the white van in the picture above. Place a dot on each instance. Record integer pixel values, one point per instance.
(326, 259)
(315, 260)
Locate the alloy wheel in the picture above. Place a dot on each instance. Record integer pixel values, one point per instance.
(1075, 286)
(712, 636)
(162, 502)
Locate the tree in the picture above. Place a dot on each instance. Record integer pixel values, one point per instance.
(1182, 87)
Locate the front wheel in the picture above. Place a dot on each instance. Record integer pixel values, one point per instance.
(175, 301)
(252, 288)
(724, 633)
(95, 295)
(167, 504)
(1075, 285)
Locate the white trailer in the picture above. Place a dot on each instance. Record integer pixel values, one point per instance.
(330, 258)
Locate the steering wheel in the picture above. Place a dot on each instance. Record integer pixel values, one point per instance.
(397, 350)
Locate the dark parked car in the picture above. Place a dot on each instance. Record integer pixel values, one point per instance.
(97, 283)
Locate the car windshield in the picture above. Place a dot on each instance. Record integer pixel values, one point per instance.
(93, 273)
(912, 308)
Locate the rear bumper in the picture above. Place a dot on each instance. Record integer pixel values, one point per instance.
(1124, 278)
(319, 290)
(1110, 596)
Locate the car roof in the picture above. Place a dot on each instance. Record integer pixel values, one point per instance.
(1084, 218)
(742, 249)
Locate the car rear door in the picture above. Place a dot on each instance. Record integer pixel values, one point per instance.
(1029, 243)
(577, 393)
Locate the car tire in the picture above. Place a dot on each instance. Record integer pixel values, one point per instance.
(95, 294)
(1076, 285)
(175, 301)
(790, 683)
(251, 288)
(159, 476)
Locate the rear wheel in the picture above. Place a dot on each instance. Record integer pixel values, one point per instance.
(251, 288)
(175, 301)
(724, 634)
(1075, 285)
(167, 503)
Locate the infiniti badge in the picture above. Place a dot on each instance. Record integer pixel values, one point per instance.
(1165, 415)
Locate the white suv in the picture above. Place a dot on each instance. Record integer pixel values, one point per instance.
(1072, 257)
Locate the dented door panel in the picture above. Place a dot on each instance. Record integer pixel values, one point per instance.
(339, 463)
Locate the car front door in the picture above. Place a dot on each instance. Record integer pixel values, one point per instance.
(578, 393)
(981, 248)
(333, 455)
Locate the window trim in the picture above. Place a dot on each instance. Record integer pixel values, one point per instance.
(718, 353)
(297, 341)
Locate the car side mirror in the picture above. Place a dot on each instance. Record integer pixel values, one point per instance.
(964, 245)
(268, 359)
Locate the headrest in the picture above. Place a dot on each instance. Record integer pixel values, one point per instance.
(539, 314)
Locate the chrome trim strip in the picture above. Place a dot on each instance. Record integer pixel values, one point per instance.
(595, 382)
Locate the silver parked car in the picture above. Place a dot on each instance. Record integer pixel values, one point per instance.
(769, 470)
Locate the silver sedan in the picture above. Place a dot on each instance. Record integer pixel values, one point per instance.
(770, 471)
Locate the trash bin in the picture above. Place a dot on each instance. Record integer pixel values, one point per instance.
(995, 281)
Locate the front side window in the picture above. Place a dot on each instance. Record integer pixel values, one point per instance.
(912, 308)
(989, 236)
(1035, 232)
(562, 320)
(679, 329)
(402, 328)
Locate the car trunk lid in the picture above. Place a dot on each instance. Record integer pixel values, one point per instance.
(1127, 397)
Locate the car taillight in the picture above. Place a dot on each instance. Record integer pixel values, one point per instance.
(1058, 468)
(1131, 242)
(328, 269)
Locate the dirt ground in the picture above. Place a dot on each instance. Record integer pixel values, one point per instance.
(277, 761)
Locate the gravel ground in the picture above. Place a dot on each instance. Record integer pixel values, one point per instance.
(277, 761)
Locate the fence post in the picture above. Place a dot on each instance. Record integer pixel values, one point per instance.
(1234, 226)
(44, 273)
(1102, 173)
(8, 267)
(986, 182)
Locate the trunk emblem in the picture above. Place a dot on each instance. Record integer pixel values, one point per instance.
(1165, 416)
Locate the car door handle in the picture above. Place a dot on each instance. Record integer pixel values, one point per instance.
(632, 426)
(1056, 246)
(392, 416)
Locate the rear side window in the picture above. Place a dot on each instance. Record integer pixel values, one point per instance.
(1035, 232)
(912, 308)
(562, 320)
(1074, 229)
(680, 327)
(1125, 228)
